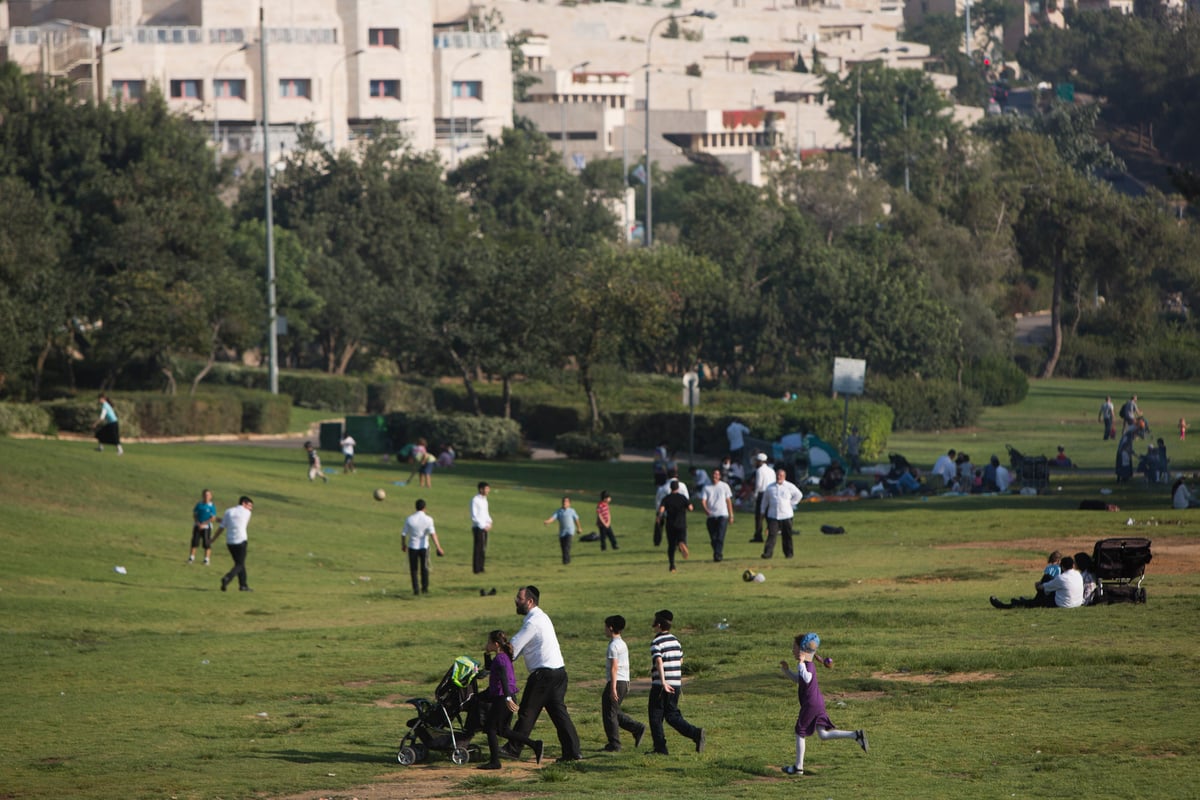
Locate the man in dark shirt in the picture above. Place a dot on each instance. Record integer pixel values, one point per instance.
(673, 512)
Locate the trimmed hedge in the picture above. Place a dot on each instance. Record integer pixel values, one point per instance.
(999, 381)
(927, 405)
(25, 418)
(400, 396)
(154, 414)
(307, 389)
(263, 412)
(589, 447)
(471, 436)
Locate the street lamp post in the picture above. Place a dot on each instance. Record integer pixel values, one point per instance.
(272, 317)
(648, 238)
(332, 117)
(858, 104)
(216, 96)
(562, 113)
(453, 136)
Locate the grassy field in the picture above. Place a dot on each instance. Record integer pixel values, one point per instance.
(154, 684)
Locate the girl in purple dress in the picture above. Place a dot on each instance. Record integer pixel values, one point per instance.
(500, 700)
(813, 716)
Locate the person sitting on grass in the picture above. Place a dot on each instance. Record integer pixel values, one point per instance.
(1040, 599)
(1182, 497)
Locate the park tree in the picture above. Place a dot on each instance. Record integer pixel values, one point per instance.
(830, 193)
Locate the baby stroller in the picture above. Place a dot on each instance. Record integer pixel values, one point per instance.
(1120, 566)
(448, 722)
(1034, 471)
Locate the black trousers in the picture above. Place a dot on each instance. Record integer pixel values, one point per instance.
(496, 725)
(716, 535)
(606, 534)
(418, 567)
(664, 707)
(238, 551)
(480, 537)
(547, 688)
(615, 719)
(776, 527)
(760, 516)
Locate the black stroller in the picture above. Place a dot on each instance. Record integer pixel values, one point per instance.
(1120, 566)
(1034, 471)
(448, 722)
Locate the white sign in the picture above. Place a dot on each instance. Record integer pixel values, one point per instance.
(691, 389)
(849, 375)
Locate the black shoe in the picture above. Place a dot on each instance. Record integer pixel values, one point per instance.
(995, 601)
(637, 737)
(701, 740)
(489, 765)
(492, 593)
(756, 539)
(224, 582)
(861, 737)
(538, 748)
(245, 589)
(483, 593)
(509, 752)
(611, 748)
(567, 759)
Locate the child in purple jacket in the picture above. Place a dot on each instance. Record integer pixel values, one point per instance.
(500, 700)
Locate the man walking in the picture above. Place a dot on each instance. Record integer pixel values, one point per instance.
(736, 434)
(546, 686)
(666, 686)
(717, 501)
(234, 523)
(1106, 416)
(418, 530)
(763, 475)
(481, 524)
(780, 500)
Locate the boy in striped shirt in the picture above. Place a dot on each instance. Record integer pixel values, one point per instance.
(666, 685)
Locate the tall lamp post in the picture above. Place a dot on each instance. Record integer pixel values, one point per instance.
(648, 238)
(216, 96)
(453, 136)
(858, 104)
(332, 118)
(272, 318)
(562, 113)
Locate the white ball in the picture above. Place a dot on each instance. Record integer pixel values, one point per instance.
(380, 494)
(760, 578)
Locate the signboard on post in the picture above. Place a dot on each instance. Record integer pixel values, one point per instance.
(691, 389)
(849, 375)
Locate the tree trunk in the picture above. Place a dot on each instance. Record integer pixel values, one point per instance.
(468, 384)
(329, 346)
(40, 368)
(347, 353)
(507, 395)
(170, 387)
(589, 388)
(210, 361)
(1055, 321)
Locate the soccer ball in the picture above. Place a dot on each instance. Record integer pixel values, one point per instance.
(748, 575)
(380, 494)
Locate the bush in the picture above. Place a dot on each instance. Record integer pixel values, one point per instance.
(307, 389)
(263, 412)
(79, 416)
(927, 405)
(155, 414)
(589, 447)
(999, 381)
(471, 436)
(25, 418)
(414, 398)
(184, 415)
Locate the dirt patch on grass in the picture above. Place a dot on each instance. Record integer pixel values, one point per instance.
(430, 782)
(934, 677)
(1171, 556)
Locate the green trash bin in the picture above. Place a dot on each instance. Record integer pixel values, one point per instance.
(330, 437)
(370, 432)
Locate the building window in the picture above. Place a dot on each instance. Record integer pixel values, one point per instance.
(384, 37)
(189, 89)
(468, 89)
(232, 88)
(390, 89)
(295, 87)
(128, 91)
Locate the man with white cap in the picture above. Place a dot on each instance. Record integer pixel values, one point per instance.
(764, 476)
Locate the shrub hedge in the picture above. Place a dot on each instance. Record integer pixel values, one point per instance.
(927, 405)
(999, 381)
(589, 447)
(155, 414)
(471, 436)
(25, 418)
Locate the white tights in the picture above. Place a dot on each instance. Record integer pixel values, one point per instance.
(822, 734)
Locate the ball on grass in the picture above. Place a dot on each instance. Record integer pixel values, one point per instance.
(748, 575)
(380, 494)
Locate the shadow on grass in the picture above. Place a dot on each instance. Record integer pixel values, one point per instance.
(327, 757)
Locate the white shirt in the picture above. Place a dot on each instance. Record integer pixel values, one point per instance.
(764, 476)
(348, 445)
(480, 518)
(780, 500)
(537, 642)
(702, 479)
(1182, 497)
(1067, 588)
(1003, 478)
(418, 528)
(618, 651)
(945, 467)
(716, 499)
(234, 522)
(665, 490)
(735, 432)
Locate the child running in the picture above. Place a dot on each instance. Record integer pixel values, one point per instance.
(502, 688)
(813, 716)
(314, 463)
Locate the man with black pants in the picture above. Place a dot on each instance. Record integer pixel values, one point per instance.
(234, 523)
(780, 501)
(481, 524)
(763, 475)
(546, 686)
(418, 530)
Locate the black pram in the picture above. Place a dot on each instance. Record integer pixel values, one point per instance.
(448, 722)
(1120, 566)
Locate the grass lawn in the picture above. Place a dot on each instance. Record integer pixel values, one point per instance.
(154, 684)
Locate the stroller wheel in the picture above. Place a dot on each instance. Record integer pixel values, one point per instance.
(460, 755)
(407, 756)
(1141, 595)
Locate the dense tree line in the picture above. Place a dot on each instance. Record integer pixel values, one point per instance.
(119, 259)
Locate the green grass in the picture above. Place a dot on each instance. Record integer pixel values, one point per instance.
(154, 684)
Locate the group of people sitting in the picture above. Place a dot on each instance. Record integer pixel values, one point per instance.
(958, 474)
(1066, 582)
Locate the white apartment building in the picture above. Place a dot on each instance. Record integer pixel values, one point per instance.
(336, 64)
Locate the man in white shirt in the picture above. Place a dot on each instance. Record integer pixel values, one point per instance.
(736, 434)
(546, 686)
(717, 501)
(418, 530)
(1067, 587)
(235, 522)
(945, 468)
(481, 524)
(780, 501)
(763, 477)
(1003, 478)
(348, 445)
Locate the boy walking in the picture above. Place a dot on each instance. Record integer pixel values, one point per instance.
(666, 685)
(418, 530)
(314, 463)
(617, 670)
(568, 524)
